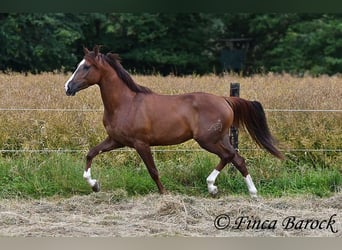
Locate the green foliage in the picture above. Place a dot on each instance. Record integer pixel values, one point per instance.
(158, 42)
(299, 43)
(38, 42)
(180, 43)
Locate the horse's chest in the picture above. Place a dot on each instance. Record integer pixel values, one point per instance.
(114, 127)
(119, 130)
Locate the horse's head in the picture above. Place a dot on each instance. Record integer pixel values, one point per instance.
(86, 74)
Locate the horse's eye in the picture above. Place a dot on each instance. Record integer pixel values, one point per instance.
(86, 67)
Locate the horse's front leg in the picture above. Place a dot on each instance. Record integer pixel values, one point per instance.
(107, 145)
(146, 155)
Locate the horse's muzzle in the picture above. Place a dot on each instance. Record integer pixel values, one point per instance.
(71, 88)
(70, 92)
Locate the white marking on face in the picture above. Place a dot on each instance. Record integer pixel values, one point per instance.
(71, 77)
(251, 188)
(211, 180)
(87, 177)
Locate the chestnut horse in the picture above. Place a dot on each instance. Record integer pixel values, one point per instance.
(136, 117)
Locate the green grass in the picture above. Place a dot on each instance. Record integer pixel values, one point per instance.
(60, 174)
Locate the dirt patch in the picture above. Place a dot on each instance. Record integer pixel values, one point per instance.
(115, 214)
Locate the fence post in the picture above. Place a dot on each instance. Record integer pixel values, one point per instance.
(234, 132)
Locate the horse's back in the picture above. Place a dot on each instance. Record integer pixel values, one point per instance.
(192, 114)
(214, 115)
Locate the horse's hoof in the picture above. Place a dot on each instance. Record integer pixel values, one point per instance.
(213, 190)
(163, 192)
(254, 196)
(96, 188)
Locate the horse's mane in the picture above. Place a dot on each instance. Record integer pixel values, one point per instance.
(114, 61)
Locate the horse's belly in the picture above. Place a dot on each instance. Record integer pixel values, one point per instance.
(166, 131)
(169, 139)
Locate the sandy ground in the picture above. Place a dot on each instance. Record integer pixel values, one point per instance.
(115, 214)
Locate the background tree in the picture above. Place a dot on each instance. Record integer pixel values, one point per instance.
(297, 43)
(180, 43)
(38, 42)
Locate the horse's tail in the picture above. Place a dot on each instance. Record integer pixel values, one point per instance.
(252, 116)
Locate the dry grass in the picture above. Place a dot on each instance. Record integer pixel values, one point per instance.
(274, 91)
(80, 130)
(103, 214)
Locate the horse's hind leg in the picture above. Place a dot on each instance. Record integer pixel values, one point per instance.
(212, 177)
(240, 164)
(107, 145)
(227, 154)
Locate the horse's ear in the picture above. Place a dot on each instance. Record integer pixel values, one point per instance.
(85, 50)
(97, 49)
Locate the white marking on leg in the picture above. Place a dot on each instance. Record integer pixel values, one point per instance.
(87, 177)
(250, 185)
(71, 77)
(211, 180)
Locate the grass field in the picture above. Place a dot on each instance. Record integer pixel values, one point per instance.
(31, 174)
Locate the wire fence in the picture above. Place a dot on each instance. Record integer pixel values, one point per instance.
(41, 151)
(101, 110)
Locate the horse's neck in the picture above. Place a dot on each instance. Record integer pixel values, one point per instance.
(114, 93)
